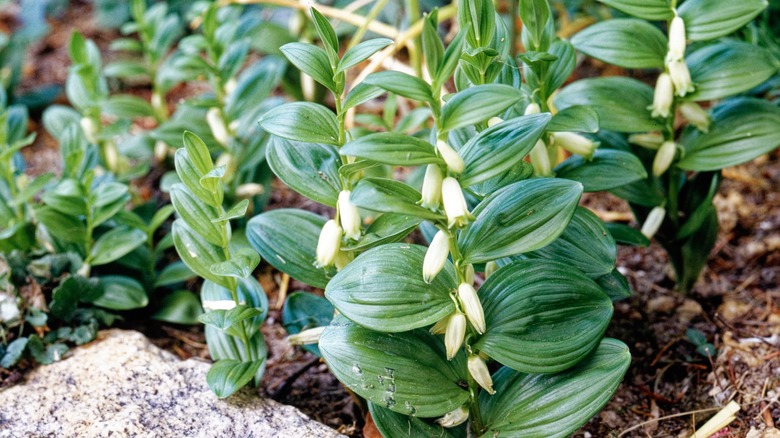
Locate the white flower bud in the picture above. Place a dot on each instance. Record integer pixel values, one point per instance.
(247, 190)
(451, 157)
(436, 255)
(653, 222)
(540, 159)
(479, 371)
(652, 140)
(469, 275)
(663, 96)
(454, 203)
(490, 268)
(310, 336)
(230, 86)
(440, 327)
(472, 307)
(575, 143)
(431, 189)
(329, 244)
(217, 125)
(676, 39)
(664, 157)
(157, 100)
(697, 117)
(681, 77)
(532, 108)
(454, 418)
(454, 334)
(349, 215)
(90, 129)
(160, 150)
(112, 156)
(218, 304)
(493, 121)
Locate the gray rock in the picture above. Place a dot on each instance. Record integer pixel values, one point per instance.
(123, 386)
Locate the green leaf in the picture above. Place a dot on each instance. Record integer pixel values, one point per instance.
(176, 272)
(32, 189)
(432, 46)
(197, 153)
(728, 68)
(198, 215)
(608, 169)
(63, 226)
(518, 218)
(577, 118)
(361, 52)
(224, 346)
(407, 372)
(179, 307)
(198, 254)
(115, 244)
(397, 425)
(626, 235)
(121, 293)
(625, 42)
(13, 353)
(392, 148)
(303, 311)
(477, 19)
(310, 169)
(127, 107)
(477, 104)
(227, 376)
(656, 10)
(240, 265)
(387, 228)
(710, 19)
(67, 197)
(230, 321)
(327, 34)
(742, 129)
(287, 240)
(302, 121)
(554, 406)
(541, 316)
(401, 84)
(191, 176)
(390, 196)
(585, 244)
(383, 290)
(615, 285)
(360, 94)
(559, 70)
(499, 148)
(45, 355)
(249, 293)
(621, 111)
(311, 60)
(535, 14)
(237, 211)
(72, 290)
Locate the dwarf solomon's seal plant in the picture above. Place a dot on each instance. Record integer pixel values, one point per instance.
(682, 144)
(235, 303)
(418, 331)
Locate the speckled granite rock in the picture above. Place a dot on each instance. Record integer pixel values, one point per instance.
(123, 386)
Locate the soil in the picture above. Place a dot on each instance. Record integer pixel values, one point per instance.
(669, 390)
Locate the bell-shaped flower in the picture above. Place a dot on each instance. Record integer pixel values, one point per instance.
(431, 189)
(217, 125)
(575, 143)
(349, 216)
(696, 116)
(664, 157)
(681, 77)
(469, 301)
(329, 244)
(454, 334)
(454, 418)
(455, 206)
(663, 96)
(540, 159)
(436, 256)
(653, 222)
(676, 39)
(451, 157)
(479, 371)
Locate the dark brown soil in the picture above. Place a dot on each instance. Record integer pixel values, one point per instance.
(735, 305)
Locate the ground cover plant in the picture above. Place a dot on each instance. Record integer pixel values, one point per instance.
(467, 291)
